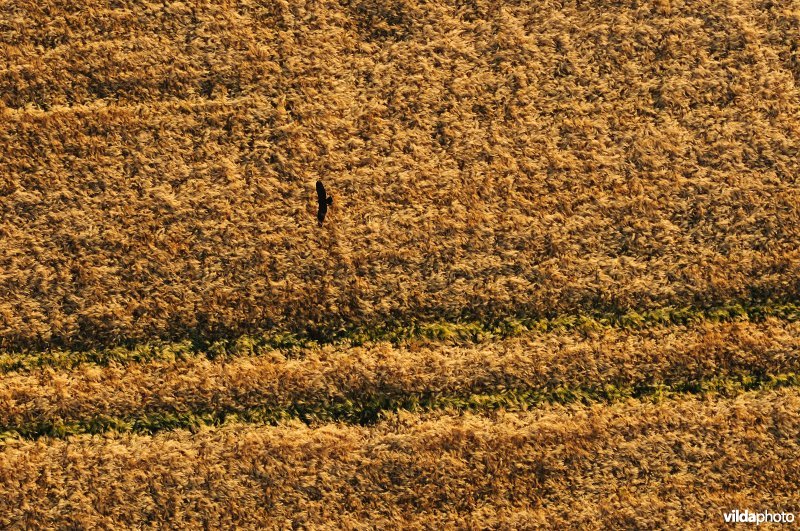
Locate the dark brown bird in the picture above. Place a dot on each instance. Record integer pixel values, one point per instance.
(324, 200)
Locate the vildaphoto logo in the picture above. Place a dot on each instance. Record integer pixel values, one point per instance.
(748, 517)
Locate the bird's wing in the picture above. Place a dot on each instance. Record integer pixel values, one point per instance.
(320, 192)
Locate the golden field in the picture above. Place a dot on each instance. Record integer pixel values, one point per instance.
(558, 285)
(485, 159)
(630, 464)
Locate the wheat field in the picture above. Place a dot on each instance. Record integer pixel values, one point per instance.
(630, 464)
(558, 285)
(485, 159)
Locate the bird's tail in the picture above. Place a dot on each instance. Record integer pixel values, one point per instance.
(329, 200)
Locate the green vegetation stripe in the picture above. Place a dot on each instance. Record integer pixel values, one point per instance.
(369, 409)
(394, 332)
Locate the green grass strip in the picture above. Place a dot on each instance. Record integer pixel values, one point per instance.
(367, 410)
(394, 332)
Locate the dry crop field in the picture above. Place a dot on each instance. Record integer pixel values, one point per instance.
(559, 283)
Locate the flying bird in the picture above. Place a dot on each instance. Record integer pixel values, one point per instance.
(324, 200)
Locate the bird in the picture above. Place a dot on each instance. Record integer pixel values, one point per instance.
(324, 200)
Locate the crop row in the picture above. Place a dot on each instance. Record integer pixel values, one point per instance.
(397, 333)
(362, 383)
(620, 465)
